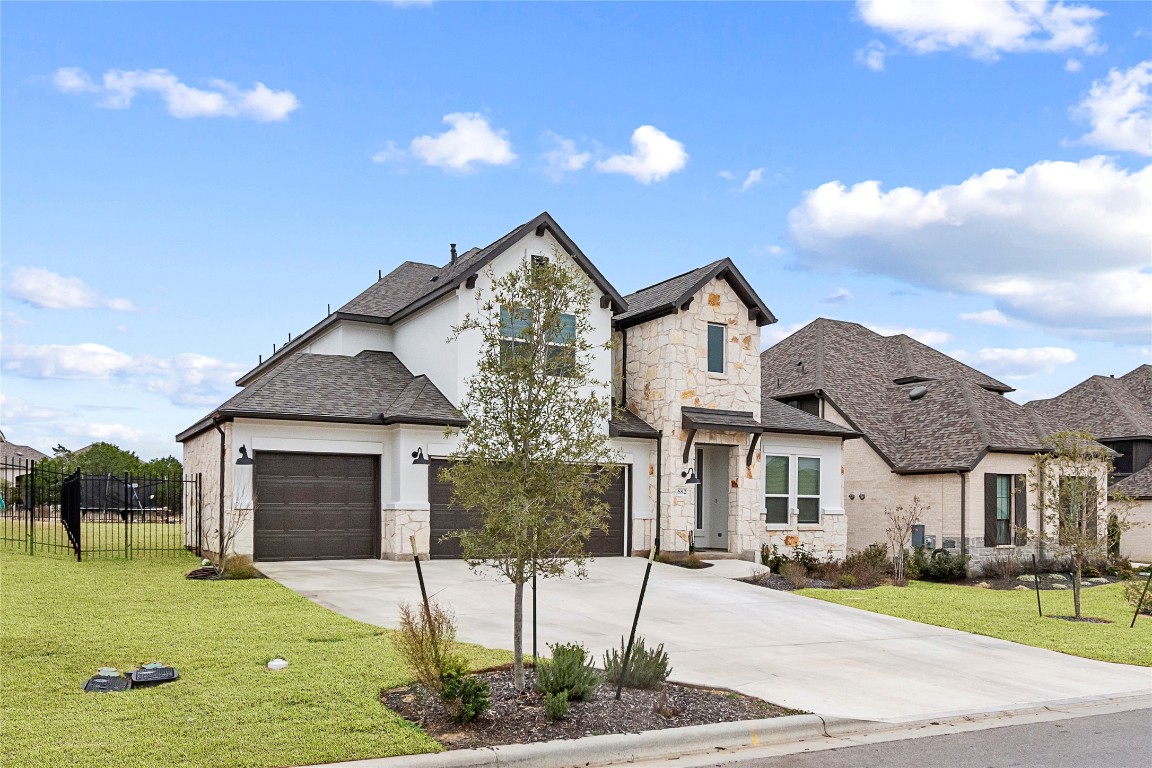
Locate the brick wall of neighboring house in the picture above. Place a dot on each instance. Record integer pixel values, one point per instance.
(202, 455)
(1136, 542)
(999, 464)
(668, 370)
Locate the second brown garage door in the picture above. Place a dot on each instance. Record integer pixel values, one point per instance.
(316, 506)
(447, 517)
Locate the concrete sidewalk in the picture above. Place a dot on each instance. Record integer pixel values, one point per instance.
(794, 651)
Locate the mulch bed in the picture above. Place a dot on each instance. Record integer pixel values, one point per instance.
(1047, 582)
(520, 719)
(1085, 619)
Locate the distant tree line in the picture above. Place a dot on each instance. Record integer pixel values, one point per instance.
(106, 458)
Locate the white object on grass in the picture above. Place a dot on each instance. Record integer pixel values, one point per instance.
(277, 664)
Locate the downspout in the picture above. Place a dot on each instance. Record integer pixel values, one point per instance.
(659, 475)
(624, 368)
(223, 460)
(963, 512)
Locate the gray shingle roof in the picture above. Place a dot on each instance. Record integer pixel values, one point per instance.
(16, 453)
(1137, 484)
(412, 285)
(722, 420)
(778, 417)
(963, 414)
(664, 297)
(628, 424)
(1107, 407)
(372, 388)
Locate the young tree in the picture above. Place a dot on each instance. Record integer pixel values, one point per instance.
(899, 532)
(1069, 481)
(534, 460)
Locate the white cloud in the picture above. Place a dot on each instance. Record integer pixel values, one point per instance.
(563, 157)
(185, 379)
(469, 141)
(1119, 110)
(931, 337)
(755, 176)
(985, 29)
(838, 296)
(1073, 65)
(45, 289)
(872, 56)
(774, 250)
(14, 410)
(111, 433)
(1019, 361)
(777, 332)
(655, 156)
(226, 99)
(727, 175)
(1059, 244)
(987, 317)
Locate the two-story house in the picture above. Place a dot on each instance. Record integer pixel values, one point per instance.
(1118, 413)
(933, 428)
(333, 447)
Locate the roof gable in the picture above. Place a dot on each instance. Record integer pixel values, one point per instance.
(666, 297)
(414, 285)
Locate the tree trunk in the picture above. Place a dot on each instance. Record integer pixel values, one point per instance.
(518, 638)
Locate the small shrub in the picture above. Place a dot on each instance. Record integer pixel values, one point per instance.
(1120, 568)
(1089, 571)
(1003, 566)
(647, 668)
(427, 650)
(869, 566)
(795, 574)
(945, 566)
(801, 553)
(569, 671)
(693, 561)
(556, 705)
(915, 562)
(466, 695)
(845, 581)
(1132, 592)
(240, 567)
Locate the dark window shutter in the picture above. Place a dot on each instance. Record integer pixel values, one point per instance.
(1021, 504)
(989, 510)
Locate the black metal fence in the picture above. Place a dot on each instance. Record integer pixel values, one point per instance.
(44, 511)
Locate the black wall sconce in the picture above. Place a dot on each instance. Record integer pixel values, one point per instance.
(418, 457)
(245, 460)
(853, 496)
(690, 476)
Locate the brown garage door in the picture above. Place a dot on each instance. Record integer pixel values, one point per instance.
(447, 517)
(316, 506)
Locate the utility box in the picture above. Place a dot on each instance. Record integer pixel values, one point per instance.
(917, 536)
(930, 542)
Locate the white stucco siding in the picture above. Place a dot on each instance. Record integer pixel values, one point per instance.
(350, 339)
(469, 344)
(421, 343)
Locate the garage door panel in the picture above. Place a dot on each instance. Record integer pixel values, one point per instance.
(316, 506)
(447, 517)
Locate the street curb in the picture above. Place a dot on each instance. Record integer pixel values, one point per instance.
(624, 747)
(698, 739)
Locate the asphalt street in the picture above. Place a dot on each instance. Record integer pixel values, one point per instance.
(1120, 740)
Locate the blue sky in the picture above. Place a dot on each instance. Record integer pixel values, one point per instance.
(185, 184)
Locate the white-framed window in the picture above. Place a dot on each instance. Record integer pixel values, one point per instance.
(515, 325)
(791, 482)
(716, 335)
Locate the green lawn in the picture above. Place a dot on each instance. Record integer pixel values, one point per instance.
(1011, 615)
(60, 620)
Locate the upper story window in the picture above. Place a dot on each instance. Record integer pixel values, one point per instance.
(515, 327)
(791, 482)
(716, 348)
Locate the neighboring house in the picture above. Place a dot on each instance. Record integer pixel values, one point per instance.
(334, 419)
(933, 428)
(1118, 413)
(14, 453)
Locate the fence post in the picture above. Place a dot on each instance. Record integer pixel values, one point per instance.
(199, 514)
(31, 467)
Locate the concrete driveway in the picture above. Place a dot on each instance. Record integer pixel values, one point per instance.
(790, 650)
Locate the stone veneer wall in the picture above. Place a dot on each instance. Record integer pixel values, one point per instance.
(668, 370)
(398, 526)
(202, 455)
